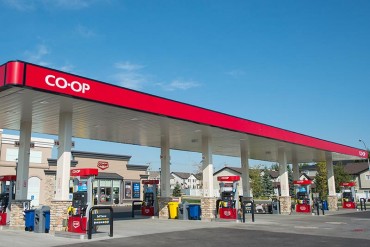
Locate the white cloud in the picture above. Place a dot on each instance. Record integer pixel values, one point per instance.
(179, 85)
(70, 4)
(85, 31)
(20, 5)
(130, 80)
(67, 68)
(37, 55)
(30, 5)
(128, 66)
(129, 75)
(236, 73)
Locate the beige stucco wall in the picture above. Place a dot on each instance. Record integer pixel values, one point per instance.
(365, 184)
(115, 166)
(36, 169)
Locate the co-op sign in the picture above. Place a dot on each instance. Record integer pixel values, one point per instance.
(60, 82)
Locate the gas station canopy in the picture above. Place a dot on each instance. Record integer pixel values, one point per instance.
(106, 112)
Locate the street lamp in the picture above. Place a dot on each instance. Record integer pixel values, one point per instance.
(368, 162)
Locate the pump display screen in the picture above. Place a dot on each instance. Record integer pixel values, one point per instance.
(79, 199)
(4, 199)
(301, 195)
(82, 186)
(347, 195)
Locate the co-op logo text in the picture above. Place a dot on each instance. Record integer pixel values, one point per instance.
(60, 82)
(362, 153)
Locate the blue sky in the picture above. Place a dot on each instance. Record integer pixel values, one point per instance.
(298, 65)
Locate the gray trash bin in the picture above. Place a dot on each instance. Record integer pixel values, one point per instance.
(275, 206)
(182, 213)
(42, 219)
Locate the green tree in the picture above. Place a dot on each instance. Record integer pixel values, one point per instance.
(267, 188)
(340, 176)
(275, 167)
(256, 182)
(290, 180)
(321, 181)
(177, 190)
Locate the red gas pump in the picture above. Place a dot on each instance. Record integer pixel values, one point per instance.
(6, 197)
(303, 196)
(348, 194)
(150, 205)
(229, 203)
(82, 199)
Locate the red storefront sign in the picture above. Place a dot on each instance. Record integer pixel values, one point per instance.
(103, 165)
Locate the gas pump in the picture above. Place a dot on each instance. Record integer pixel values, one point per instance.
(150, 205)
(82, 199)
(348, 194)
(303, 196)
(6, 197)
(229, 203)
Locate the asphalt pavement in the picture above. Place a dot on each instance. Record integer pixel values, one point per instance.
(341, 228)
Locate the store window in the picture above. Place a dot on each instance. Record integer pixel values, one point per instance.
(95, 191)
(105, 192)
(128, 190)
(12, 155)
(116, 186)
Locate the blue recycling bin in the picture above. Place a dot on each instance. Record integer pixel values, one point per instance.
(29, 218)
(325, 205)
(194, 211)
(47, 221)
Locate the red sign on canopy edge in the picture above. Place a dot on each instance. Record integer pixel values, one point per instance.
(8, 178)
(84, 172)
(348, 184)
(228, 178)
(302, 182)
(150, 182)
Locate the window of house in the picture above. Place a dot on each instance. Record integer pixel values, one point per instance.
(367, 177)
(12, 155)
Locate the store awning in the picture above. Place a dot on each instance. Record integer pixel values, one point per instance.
(109, 175)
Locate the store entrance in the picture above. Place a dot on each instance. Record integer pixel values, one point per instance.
(107, 191)
(105, 195)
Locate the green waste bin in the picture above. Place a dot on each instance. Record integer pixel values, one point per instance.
(172, 210)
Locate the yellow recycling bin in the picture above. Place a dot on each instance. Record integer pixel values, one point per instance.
(172, 210)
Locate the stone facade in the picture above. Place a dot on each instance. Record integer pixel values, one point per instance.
(163, 207)
(333, 203)
(208, 208)
(59, 215)
(17, 220)
(50, 178)
(285, 205)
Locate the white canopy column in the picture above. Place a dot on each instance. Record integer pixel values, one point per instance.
(207, 167)
(244, 156)
(165, 165)
(23, 164)
(64, 156)
(285, 200)
(295, 167)
(208, 201)
(165, 173)
(332, 197)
